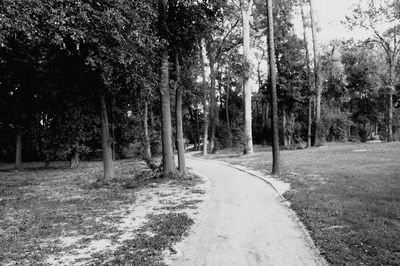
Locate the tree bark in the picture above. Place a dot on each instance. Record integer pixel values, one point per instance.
(317, 140)
(147, 152)
(213, 111)
(74, 161)
(309, 124)
(310, 86)
(284, 127)
(179, 127)
(166, 124)
(228, 123)
(205, 107)
(106, 141)
(274, 98)
(197, 128)
(168, 156)
(246, 6)
(390, 98)
(18, 149)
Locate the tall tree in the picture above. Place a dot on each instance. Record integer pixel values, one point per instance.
(317, 79)
(179, 127)
(168, 156)
(246, 7)
(309, 80)
(274, 100)
(106, 141)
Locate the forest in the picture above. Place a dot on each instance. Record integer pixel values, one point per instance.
(111, 79)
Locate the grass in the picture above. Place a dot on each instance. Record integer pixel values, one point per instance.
(347, 195)
(58, 212)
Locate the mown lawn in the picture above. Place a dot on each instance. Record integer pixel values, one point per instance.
(347, 195)
(60, 216)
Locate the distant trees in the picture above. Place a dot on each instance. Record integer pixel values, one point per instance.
(376, 15)
(77, 77)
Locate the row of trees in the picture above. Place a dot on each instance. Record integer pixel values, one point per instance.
(77, 77)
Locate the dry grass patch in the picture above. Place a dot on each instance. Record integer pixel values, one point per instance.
(60, 216)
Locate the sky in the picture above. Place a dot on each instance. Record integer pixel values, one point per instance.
(329, 14)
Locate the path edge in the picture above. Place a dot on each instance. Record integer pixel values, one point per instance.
(272, 183)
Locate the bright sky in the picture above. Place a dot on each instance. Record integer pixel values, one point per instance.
(329, 14)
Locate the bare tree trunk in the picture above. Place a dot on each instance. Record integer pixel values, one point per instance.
(318, 136)
(246, 6)
(113, 129)
(197, 128)
(390, 99)
(284, 129)
(106, 141)
(74, 161)
(205, 107)
(179, 127)
(309, 124)
(228, 122)
(18, 149)
(310, 86)
(166, 129)
(147, 152)
(213, 110)
(168, 156)
(274, 98)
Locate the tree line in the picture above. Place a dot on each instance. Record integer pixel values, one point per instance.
(87, 78)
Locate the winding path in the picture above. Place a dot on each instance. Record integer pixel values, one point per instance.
(243, 223)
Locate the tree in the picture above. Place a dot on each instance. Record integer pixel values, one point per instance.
(179, 128)
(317, 79)
(246, 7)
(168, 156)
(370, 18)
(308, 66)
(274, 104)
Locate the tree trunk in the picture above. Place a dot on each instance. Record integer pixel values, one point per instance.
(310, 86)
(147, 152)
(166, 124)
(18, 149)
(274, 99)
(74, 161)
(106, 141)
(197, 129)
(246, 6)
(179, 127)
(228, 122)
(213, 111)
(113, 146)
(167, 152)
(390, 98)
(317, 141)
(284, 129)
(205, 107)
(309, 124)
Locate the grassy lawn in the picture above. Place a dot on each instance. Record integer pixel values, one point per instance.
(59, 216)
(347, 195)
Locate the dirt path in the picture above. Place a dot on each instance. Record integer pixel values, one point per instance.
(243, 223)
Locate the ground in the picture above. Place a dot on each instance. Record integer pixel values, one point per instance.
(347, 195)
(244, 222)
(60, 216)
